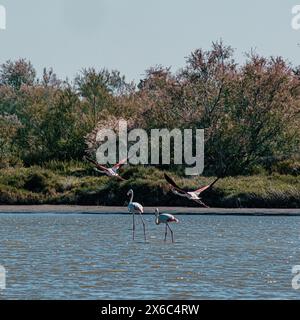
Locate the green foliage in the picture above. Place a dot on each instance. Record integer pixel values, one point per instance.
(62, 185)
(9, 126)
(36, 182)
(288, 167)
(18, 73)
(250, 112)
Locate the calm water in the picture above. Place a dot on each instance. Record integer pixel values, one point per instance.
(93, 257)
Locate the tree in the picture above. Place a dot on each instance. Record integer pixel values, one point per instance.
(249, 113)
(9, 126)
(64, 127)
(18, 73)
(98, 90)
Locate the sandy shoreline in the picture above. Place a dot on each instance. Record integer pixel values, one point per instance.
(65, 209)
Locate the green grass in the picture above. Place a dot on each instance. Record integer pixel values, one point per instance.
(78, 183)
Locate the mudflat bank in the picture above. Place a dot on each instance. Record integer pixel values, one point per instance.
(69, 209)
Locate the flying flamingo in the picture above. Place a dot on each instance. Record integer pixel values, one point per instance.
(165, 218)
(110, 172)
(135, 207)
(191, 195)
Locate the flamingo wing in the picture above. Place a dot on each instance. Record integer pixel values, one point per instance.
(138, 207)
(166, 217)
(199, 191)
(120, 178)
(200, 202)
(173, 184)
(179, 192)
(96, 164)
(119, 164)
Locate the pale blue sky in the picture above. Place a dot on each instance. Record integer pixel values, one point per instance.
(132, 35)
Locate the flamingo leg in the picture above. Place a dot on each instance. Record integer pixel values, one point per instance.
(133, 226)
(144, 226)
(166, 232)
(171, 232)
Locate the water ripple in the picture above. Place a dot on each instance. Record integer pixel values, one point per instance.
(93, 257)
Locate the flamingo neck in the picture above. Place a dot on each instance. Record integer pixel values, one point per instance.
(131, 198)
(157, 218)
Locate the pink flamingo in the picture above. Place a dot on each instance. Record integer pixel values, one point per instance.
(165, 218)
(135, 207)
(110, 172)
(191, 195)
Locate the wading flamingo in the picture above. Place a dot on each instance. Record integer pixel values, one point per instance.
(191, 195)
(135, 207)
(165, 218)
(110, 172)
